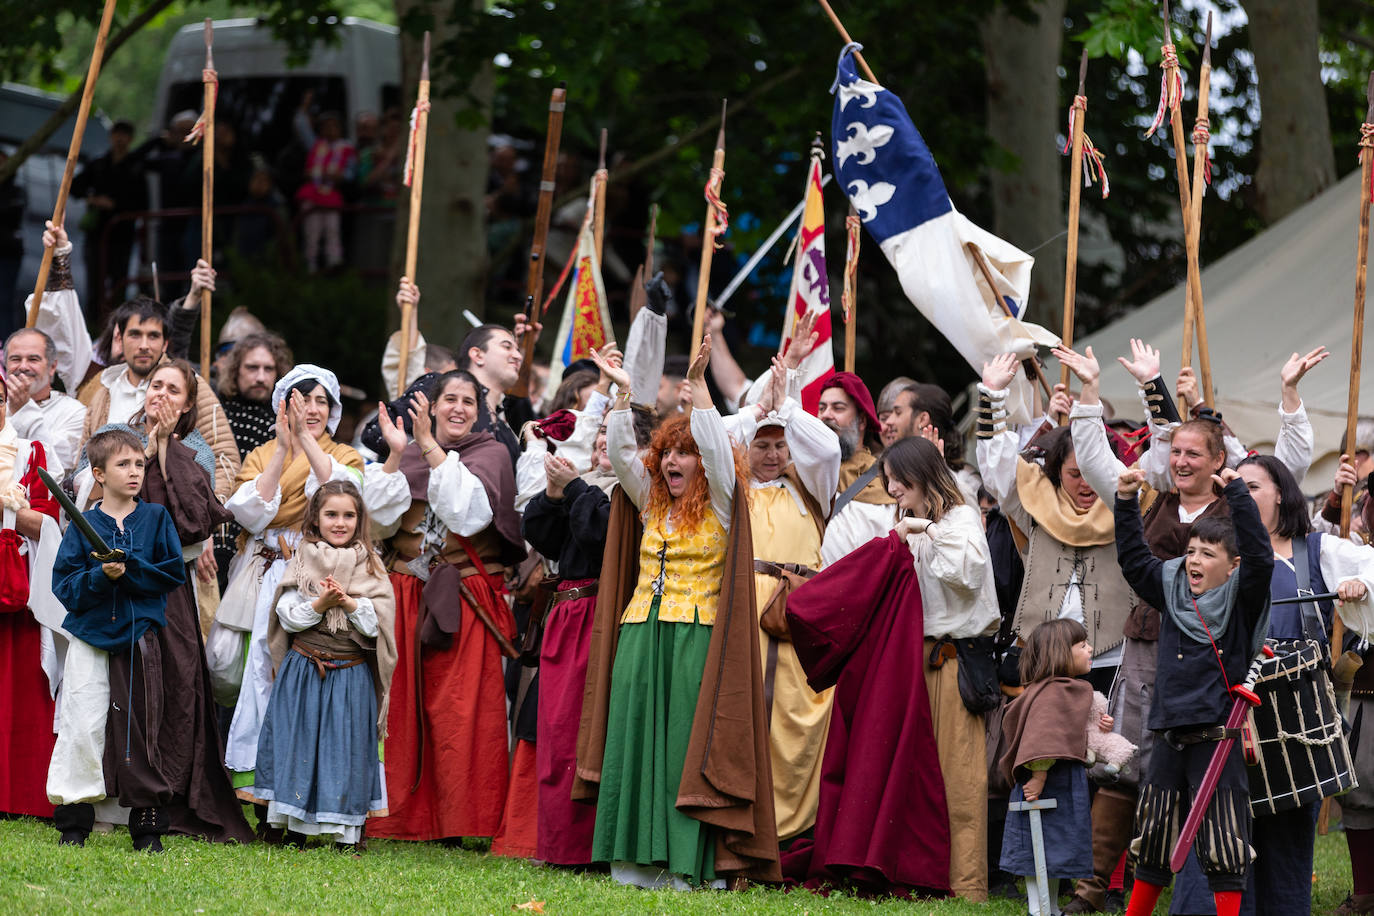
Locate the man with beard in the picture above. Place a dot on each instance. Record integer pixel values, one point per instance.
(36, 411)
(863, 509)
(919, 405)
(123, 387)
(252, 369)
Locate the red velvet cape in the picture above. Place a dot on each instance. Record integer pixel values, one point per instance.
(858, 626)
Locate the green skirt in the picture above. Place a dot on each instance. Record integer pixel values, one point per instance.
(654, 687)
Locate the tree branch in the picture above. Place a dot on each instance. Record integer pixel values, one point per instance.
(69, 105)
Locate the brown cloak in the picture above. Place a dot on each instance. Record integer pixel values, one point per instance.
(726, 779)
(1049, 721)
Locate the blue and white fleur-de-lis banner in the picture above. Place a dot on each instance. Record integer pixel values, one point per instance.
(889, 175)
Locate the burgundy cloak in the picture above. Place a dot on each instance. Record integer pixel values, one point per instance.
(858, 626)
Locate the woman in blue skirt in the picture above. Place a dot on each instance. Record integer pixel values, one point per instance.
(333, 653)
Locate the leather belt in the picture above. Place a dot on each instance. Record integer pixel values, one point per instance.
(327, 661)
(568, 594)
(1179, 739)
(776, 570)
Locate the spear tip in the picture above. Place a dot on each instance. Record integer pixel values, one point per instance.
(602, 164)
(424, 60)
(1369, 95)
(720, 137)
(1082, 72)
(1207, 47)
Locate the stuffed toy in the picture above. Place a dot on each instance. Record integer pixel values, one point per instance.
(1110, 749)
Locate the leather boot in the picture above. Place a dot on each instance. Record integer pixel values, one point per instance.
(74, 823)
(147, 826)
(1113, 817)
(1356, 904)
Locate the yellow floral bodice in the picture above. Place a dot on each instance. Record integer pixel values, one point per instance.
(691, 566)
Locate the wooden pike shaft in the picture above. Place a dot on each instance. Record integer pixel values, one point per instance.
(638, 297)
(839, 27)
(59, 210)
(599, 217)
(417, 186)
(708, 245)
(1198, 322)
(1352, 404)
(851, 295)
(207, 192)
(1080, 107)
(534, 287)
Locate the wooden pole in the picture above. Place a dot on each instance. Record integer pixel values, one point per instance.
(59, 210)
(1197, 321)
(1079, 112)
(849, 297)
(534, 287)
(599, 217)
(207, 189)
(417, 185)
(645, 272)
(839, 27)
(708, 237)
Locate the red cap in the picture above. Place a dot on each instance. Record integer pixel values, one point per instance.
(854, 386)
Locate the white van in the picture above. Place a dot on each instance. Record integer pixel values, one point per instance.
(260, 93)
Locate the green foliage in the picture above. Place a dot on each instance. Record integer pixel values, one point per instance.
(1117, 26)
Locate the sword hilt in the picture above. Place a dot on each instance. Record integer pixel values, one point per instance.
(114, 556)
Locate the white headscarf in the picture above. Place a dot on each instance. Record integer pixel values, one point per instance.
(326, 378)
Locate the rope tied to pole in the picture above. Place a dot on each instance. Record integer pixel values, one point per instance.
(712, 194)
(197, 132)
(1092, 156)
(852, 224)
(420, 105)
(1367, 142)
(1170, 87)
(1202, 136)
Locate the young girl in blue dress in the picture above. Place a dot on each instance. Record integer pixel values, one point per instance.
(333, 653)
(1045, 733)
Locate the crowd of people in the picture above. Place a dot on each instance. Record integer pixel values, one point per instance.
(670, 623)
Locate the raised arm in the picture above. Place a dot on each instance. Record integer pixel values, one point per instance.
(708, 431)
(1142, 569)
(621, 447)
(1099, 465)
(647, 345)
(1296, 443)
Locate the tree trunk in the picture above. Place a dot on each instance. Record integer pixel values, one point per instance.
(1296, 159)
(1023, 109)
(452, 258)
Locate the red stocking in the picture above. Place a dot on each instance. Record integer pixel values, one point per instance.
(1143, 898)
(1228, 902)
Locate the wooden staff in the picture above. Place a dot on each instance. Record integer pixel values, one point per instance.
(839, 27)
(207, 187)
(599, 217)
(59, 210)
(1194, 318)
(708, 234)
(534, 286)
(417, 185)
(849, 296)
(638, 297)
(1079, 112)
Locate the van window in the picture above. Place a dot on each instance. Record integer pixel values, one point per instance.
(262, 107)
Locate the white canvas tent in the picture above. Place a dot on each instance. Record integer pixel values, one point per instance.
(1291, 288)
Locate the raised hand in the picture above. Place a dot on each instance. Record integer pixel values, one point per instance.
(804, 337)
(1225, 476)
(297, 412)
(612, 366)
(697, 371)
(16, 391)
(421, 424)
(1144, 362)
(1187, 387)
(393, 432)
(1061, 402)
(283, 424)
(202, 278)
(998, 373)
(559, 472)
(932, 435)
(523, 324)
(1129, 482)
(54, 236)
(715, 319)
(1298, 366)
(1346, 475)
(407, 293)
(775, 391)
(1084, 365)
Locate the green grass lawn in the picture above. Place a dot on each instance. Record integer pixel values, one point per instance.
(38, 876)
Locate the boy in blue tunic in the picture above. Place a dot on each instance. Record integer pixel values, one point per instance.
(114, 609)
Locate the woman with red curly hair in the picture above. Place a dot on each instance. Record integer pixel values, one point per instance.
(674, 730)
